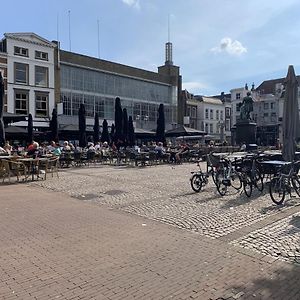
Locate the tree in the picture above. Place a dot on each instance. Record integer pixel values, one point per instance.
(131, 136)
(118, 120)
(96, 129)
(160, 130)
(105, 134)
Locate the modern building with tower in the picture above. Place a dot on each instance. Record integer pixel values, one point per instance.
(39, 76)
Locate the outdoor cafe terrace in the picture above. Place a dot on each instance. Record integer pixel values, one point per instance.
(17, 167)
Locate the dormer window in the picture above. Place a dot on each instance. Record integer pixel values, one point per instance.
(41, 55)
(21, 51)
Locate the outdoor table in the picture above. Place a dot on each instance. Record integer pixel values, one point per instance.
(271, 167)
(32, 164)
(7, 156)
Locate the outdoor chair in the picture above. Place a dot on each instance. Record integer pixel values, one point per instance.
(52, 166)
(12, 168)
(90, 158)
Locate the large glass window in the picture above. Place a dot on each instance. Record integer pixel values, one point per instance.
(98, 90)
(41, 104)
(116, 85)
(21, 73)
(21, 102)
(41, 76)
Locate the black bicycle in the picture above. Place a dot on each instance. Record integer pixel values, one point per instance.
(284, 182)
(251, 175)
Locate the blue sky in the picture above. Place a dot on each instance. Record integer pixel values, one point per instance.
(218, 44)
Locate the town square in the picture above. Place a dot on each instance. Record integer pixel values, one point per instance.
(150, 150)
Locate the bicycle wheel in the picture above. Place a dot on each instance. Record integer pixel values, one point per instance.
(296, 184)
(220, 180)
(196, 183)
(213, 176)
(277, 190)
(259, 181)
(247, 185)
(235, 180)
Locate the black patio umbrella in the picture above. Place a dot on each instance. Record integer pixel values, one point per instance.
(131, 135)
(54, 126)
(82, 125)
(2, 133)
(160, 130)
(182, 130)
(30, 129)
(112, 132)
(290, 118)
(105, 134)
(118, 120)
(125, 126)
(96, 129)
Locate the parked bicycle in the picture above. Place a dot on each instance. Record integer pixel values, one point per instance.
(251, 175)
(227, 176)
(284, 182)
(198, 179)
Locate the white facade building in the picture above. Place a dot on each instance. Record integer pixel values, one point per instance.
(30, 76)
(210, 114)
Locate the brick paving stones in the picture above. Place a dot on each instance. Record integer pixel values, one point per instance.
(111, 239)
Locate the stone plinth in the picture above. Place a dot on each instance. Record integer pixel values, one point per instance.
(245, 132)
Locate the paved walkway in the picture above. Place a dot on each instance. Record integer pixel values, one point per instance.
(104, 233)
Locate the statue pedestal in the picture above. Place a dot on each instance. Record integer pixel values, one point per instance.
(245, 132)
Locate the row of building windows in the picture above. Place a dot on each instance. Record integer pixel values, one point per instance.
(20, 51)
(215, 128)
(104, 106)
(77, 79)
(22, 75)
(209, 114)
(41, 103)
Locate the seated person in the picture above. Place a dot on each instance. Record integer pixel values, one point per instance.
(161, 151)
(66, 146)
(105, 149)
(8, 148)
(184, 149)
(33, 149)
(56, 151)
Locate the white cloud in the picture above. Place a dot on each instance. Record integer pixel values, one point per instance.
(132, 3)
(193, 86)
(230, 46)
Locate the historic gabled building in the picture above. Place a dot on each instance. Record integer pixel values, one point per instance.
(30, 76)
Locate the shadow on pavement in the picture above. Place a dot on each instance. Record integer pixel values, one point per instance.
(281, 284)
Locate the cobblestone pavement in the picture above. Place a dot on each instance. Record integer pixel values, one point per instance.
(163, 193)
(109, 240)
